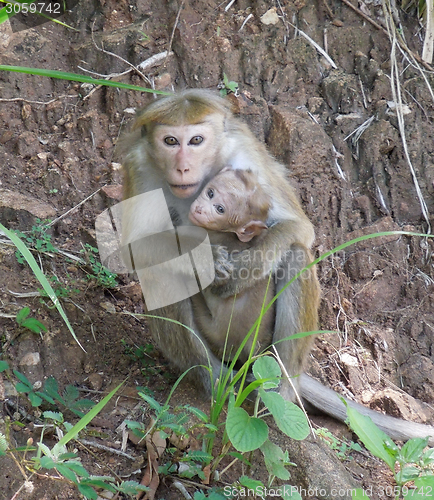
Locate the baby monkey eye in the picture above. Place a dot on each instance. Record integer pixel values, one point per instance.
(210, 193)
(220, 209)
(196, 140)
(171, 141)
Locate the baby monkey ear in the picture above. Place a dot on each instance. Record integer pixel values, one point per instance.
(250, 230)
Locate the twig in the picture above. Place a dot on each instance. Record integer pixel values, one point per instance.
(42, 103)
(328, 9)
(169, 48)
(351, 6)
(317, 47)
(133, 68)
(86, 442)
(73, 208)
(181, 488)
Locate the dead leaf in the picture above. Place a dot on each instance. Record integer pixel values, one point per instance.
(155, 446)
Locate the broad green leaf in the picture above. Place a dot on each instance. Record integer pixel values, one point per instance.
(250, 483)
(245, 432)
(34, 399)
(293, 422)
(428, 456)
(87, 491)
(408, 473)
(131, 487)
(53, 415)
(22, 387)
(412, 450)
(359, 494)
(23, 379)
(274, 460)
(425, 482)
(375, 440)
(22, 315)
(273, 401)
(98, 483)
(198, 413)
(290, 492)
(267, 367)
(66, 472)
(77, 468)
(47, 462)
(34, 325)
(3, 366)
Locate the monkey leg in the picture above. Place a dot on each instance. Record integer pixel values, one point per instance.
(296, 311)
(183, 345)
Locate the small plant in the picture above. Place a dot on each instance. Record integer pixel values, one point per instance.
(226, 86)
(58, 458)
(50, 393)
(31, 324)
(343, 448)
(37, 239)
(62, 291)
(411, 463)
(100, 274)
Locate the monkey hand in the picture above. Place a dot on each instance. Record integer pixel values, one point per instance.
(222, 264)
(237, 272)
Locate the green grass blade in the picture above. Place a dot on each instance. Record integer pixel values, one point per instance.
(81, 424)
(40, 277)
(74, 77)
(4, 16)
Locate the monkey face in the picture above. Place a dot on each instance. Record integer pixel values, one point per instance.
(209, 210)
(187, 154)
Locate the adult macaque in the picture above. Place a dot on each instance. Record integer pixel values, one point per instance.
(178, 144)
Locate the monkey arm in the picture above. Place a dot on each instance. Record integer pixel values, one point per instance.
(238, 269)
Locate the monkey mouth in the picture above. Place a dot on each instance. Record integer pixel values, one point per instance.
(184, 190)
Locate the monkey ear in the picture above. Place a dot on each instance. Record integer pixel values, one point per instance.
(250, 230)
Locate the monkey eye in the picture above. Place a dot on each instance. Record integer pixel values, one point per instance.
(210, 193)
(197, 139)
(220, 209)
(171, 141)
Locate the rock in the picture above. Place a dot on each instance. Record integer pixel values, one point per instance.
(270, 17)
(28, 145)
(30, 359)
(95, 381)
(18, 201)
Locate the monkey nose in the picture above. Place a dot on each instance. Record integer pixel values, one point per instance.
(198, 210)
(183, 169)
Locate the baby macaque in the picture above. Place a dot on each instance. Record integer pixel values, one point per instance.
(233, 201)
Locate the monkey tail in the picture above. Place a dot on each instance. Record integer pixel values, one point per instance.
(328, 401)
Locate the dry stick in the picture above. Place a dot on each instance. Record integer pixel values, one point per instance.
(178, 15)
(328, 9)
(401, 44)
(74, 208)
(105, 448)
